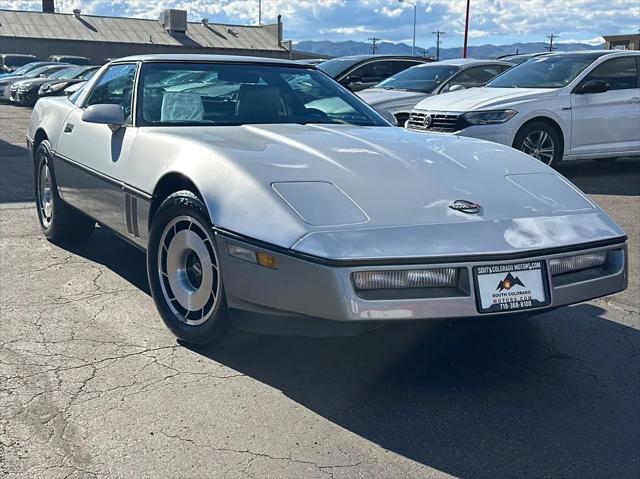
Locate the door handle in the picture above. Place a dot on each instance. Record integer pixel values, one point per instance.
(68, 128)
(635, 99)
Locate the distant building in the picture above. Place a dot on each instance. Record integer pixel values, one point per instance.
(97, 37)
(622, 42)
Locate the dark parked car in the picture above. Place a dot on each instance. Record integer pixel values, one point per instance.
(72, 59)
(10, 62)
(23, 70)
(58, 85)
(40, 72)
(26, 92)
(358, 72)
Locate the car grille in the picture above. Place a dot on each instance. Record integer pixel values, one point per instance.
(437, 121)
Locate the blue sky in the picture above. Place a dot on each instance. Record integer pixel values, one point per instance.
(492, 21)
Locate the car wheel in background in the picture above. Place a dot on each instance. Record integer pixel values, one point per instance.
(540, 140)
(183, 270)
(59, 222)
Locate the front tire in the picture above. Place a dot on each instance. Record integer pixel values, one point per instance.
(59, 222)
(183, 270)
(541, 141)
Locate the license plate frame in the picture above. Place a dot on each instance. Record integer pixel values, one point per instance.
(529, 293)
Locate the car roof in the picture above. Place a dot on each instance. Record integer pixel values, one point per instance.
(194, 57)
(598, 53)
(62, 55)
(460, 62)
(385, 55)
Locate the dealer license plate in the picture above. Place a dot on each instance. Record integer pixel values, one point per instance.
(511, 287)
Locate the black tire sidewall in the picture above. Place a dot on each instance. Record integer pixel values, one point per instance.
(183, 204)
(66, 224)
(540, 125)
(43, 153)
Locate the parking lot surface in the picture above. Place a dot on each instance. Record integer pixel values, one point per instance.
(93, 384)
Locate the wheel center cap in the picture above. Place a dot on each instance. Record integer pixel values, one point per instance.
(194, 269)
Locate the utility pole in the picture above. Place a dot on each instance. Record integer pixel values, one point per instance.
(438, 33)
(259, 13)
(466, 31)
(551, 37)
(423, 52)
(415, 12)
(373, 41)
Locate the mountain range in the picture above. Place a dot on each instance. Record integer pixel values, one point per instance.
(350, 47)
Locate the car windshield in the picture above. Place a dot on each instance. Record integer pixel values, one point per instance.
(65, 74)
(236, 94)
(336, 66)
(25, 69)
(424, 79)
(39, 71)
(553, 71)
(87, 74)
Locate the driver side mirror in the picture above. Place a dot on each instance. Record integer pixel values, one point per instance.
(457, 88)
(105, 114)
(351, 80)
(593, 86)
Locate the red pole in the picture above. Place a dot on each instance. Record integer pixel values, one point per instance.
(466, 32)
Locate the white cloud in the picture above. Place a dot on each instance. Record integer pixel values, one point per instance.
(495, 21)
(348, 30)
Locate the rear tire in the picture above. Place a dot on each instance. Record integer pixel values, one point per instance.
(183, 270)
(541, 141)
(59, 222)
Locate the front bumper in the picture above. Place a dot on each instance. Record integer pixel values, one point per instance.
(22, 97)
(501, 133)
(304, 287)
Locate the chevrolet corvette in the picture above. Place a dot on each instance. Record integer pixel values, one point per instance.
(263, 185)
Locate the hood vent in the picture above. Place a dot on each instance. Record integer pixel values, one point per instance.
(174, 21)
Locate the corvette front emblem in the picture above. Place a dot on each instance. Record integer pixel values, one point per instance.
(465, 206)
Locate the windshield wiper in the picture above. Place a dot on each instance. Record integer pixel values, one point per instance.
(318, 122)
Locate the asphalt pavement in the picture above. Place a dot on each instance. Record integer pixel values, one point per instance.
(93, 385)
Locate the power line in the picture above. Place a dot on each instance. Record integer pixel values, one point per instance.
(373, 41)
(438, 33)
(551, 37)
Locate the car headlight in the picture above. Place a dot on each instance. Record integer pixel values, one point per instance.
(56, 86)
(489, 117)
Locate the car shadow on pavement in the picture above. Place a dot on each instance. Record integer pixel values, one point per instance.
(549, 396)
(16, 174)
(122, 258)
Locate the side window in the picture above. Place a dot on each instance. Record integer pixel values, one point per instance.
(619, 73)
(401, 65)
(373, 72)
(476, 76)
(115, 88)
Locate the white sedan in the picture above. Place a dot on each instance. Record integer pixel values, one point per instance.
(563, 106)
(400, 93)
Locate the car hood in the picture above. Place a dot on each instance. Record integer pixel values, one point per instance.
(32, 82)
(304, 186)
(483, 98)
(379, 97)
(11, 78)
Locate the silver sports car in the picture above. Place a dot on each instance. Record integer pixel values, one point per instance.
(248, 191)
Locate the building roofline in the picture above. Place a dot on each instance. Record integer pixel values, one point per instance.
(38, 12)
